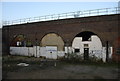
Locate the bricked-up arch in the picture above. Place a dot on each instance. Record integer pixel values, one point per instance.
(52, 39)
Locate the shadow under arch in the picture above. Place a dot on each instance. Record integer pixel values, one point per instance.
(25, 41)
(87, 44)
(18, 37)
(52, 39)
(89, 33)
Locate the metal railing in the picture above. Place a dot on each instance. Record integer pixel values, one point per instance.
(103, 11)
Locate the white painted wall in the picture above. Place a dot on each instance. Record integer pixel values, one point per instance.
(30, 51)
(104, 54)
(50, 52)
(68, 50)
(43, 51)
(60, 53)
(19, 51)
(95, 46)
(110, 52)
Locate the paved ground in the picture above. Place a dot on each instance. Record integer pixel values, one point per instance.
(61, 70)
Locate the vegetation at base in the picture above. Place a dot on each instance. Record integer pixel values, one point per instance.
(10, 65)
(77, 59)
(9, 59)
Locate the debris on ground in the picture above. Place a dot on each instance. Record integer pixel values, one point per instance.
(23, 64)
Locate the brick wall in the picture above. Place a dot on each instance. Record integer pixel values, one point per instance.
(106, 27)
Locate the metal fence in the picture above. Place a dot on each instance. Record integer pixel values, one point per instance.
(77, 14)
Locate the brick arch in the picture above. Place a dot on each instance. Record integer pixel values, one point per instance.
(52, 39)
(106, 28)
(44, 34)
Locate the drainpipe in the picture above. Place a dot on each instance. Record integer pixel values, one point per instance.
(107, 51)
(36, 42)
(8, 43)
(36, 47)
(67, 45)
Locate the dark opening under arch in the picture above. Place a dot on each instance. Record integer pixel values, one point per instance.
(85, 35)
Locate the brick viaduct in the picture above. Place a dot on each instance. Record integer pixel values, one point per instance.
(105, 26)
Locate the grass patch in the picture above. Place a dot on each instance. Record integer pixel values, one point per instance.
(9, 60)
(98, 77)
(18, 59)
(89, 63)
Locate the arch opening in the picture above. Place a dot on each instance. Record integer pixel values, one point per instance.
(21, 41)
(18, 41)
(87, 44)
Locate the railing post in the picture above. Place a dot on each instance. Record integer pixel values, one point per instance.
(66, 15)
(44, 17)
(89, 12)
(24, 20)
(34, 19)
(39, 18)
(52, 17)
(6, 23)
(58, 16)
(29, 19)
(20, 21)
(12, 22)
(81, 14)
(98, 11)
(116, 10)
(107, 11)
